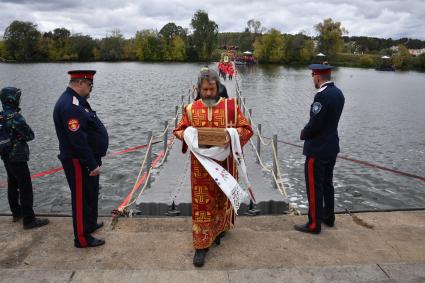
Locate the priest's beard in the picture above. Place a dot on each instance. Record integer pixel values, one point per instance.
(209, 102)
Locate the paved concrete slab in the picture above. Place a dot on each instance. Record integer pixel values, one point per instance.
(262, 248)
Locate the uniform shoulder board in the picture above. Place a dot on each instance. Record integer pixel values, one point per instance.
(75, 101)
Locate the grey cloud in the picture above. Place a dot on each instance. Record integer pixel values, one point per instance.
(382, 18)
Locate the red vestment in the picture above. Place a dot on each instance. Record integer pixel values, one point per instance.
(212, 212)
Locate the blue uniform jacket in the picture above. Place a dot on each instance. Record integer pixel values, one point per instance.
(321, 132)
(80, 132)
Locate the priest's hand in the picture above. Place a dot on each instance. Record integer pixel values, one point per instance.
(180, 135)
(227, 140)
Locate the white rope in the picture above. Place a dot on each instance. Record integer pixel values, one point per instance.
(148, 175)
(150, 169)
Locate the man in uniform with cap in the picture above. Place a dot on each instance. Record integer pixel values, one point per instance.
(83, 141)
(321, 146)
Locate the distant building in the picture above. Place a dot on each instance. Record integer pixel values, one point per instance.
(394, 48)
(416, 52)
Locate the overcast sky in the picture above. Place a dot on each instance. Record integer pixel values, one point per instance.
(380, 18)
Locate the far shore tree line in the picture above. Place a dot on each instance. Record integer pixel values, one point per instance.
(23, 42)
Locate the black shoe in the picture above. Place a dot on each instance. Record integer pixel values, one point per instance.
(16, 218)
(37, 222)
(217, 239)
(97, 226)
(329, 221)
(199, 257)
(92, 243)
(304, 228)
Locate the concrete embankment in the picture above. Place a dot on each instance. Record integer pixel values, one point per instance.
(262, 248)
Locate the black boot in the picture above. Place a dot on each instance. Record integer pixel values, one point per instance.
(91, 243)
(199, 257)
(16, 218)
(305, 229)
(37, 222)
(97, 226)
(329, 221)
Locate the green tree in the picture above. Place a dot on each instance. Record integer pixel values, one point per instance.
(177, 49)
(129, 52)
(3, 51)
(111, 47)
(298, 49)
(172, 39)
(148, 46)
(84, 47)
(367, 61)
(401, 59)
(56, 45)
(171, 30)
(269, 48)
(330, 39)
(204, 37)
(22, 41)
(419, 62)
(255, 27)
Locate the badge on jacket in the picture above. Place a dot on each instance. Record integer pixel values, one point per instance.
(316, 107)
(73, 124)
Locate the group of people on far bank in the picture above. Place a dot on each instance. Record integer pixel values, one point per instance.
(83, 141)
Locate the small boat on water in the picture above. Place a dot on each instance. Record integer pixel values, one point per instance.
(385, 64)
(237, 62)
(247, 58)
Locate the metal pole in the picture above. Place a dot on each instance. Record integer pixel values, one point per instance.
(182, 99)
(188, 99)
(259, 143)
(149, 159)
(165, 139)
(250, 115)
(275, 161)
(176, 117)
(243, 105)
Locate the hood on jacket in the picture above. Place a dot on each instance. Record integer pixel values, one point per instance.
(10, 97)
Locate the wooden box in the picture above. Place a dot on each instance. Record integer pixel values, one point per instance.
(212, 136)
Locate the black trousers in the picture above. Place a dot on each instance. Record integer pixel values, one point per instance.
(320, 190)
(84, 198)
(19, 190)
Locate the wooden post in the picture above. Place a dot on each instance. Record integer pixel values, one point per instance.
(275, 161)
(149, 159)
(259, 143)
(165, 139)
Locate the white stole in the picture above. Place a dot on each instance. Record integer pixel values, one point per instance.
(227, 183)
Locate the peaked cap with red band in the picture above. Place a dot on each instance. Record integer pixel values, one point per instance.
(320, 69)
(82, 74)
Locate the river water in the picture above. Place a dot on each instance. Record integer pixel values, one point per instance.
(383, 123)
